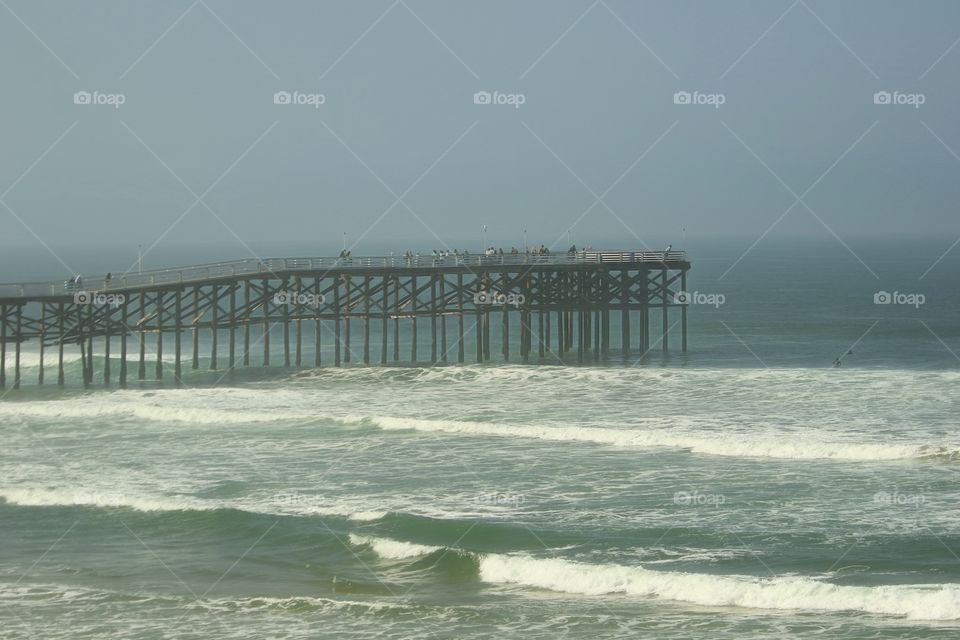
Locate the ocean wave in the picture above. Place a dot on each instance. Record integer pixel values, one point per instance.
(202, 406)
(107, 499)
(719, 444)
(392, 549)
(914, 602)
(36, 497)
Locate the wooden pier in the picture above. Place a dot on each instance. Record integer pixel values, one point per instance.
(560, 304)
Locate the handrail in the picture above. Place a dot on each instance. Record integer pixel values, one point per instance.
(248, 266)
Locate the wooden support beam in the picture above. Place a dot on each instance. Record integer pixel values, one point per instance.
(366, 319)
(596, 336)
(91, 325)
(16, 346)
(298, 359)
(142, 368)
(505, 333)
(316, 327)
(384, 306)
(605, 332)
(285, 318)
(479, 332)
(246, 323)
(347, 310)
(624, 313)
(232, 349)
(540, 338)
(443, 319)
(196, 328)
(177, 336)
(83, 347)
(266, 323)
(124, 320)
(159, 335)
(214, 324)
(3, 346)
(433, 319)
(561, 338)
(665, 343)
(546, 332)
(683, 314)
(336, 322)
(396, 319)
(460, 295)
(108, 320)
(579, 336)
(413, 319)
(43, 339)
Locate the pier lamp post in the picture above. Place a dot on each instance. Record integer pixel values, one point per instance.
(483, 240)
(140, 258)
(524, 240)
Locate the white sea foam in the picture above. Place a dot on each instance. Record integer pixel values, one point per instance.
(146, 411)
(37, 497)
(916, 602)
(106, 498)
(740, 445)
(200, 406)
(392, 549)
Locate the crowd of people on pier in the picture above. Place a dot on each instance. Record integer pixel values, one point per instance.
(440, 256)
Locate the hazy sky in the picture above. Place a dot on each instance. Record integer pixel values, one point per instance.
(597, 82)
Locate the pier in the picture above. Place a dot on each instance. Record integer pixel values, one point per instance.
(561, 305)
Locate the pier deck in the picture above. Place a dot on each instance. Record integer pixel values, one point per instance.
(246, 302)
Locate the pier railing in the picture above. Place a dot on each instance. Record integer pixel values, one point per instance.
(253, 266)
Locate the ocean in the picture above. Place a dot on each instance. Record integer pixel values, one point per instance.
(745, 489)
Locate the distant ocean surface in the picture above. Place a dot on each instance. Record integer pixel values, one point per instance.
(745, 489)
